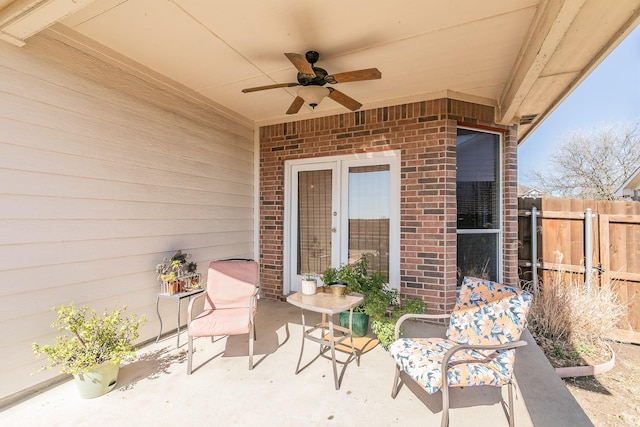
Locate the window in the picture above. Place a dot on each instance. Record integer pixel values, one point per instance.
(478, 196)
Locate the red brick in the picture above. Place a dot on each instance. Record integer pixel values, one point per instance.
(425, 132)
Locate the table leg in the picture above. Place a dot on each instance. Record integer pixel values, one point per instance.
(323, 322)
(178, 343)
(332, 344)
(304, 333)
(159, 318)
(353, 349)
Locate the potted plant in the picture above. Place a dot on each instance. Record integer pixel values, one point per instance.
(309, 283)
(377, 296)
(381, 306)
(331, 280)
(176, 274)
(92, 346)
(171, 280)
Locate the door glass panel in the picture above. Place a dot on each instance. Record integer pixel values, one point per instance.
(314, 221)
(369, 210)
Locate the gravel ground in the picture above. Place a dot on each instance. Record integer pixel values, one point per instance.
(612, 398)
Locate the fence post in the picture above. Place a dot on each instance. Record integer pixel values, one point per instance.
(534, 248)
(588, 249)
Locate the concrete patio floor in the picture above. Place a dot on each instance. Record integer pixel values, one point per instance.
(156, 391)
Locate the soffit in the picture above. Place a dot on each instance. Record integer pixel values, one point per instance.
(522, 56)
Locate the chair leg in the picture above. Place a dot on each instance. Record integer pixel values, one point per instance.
(510, 385)
(189, 355)
(252, 333)
(445, 403)
(396, 380)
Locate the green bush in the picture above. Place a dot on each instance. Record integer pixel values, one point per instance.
(90, 339)
(384, 328)
(381, 303)
(377, 295)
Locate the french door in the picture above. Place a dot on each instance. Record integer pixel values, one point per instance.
(338, 209)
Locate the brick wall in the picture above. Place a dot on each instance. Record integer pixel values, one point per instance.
(425, 133)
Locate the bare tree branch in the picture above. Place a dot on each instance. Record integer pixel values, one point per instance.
(592, 165)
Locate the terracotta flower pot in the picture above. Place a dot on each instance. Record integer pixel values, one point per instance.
(173, 288)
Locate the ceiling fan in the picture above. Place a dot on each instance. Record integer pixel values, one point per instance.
(312, 79)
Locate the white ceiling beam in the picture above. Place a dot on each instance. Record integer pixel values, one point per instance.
(549, 27)
(24, 18)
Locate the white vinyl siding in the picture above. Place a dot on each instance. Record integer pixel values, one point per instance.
(102, 174)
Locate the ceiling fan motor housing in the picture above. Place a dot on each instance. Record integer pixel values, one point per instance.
(317, 80)
(312, 56)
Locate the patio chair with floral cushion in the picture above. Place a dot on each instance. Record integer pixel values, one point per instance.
(479, 349)
(230, 305)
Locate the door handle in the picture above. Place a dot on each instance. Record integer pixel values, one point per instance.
(333, 229)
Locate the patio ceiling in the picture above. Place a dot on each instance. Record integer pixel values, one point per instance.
(522, 56)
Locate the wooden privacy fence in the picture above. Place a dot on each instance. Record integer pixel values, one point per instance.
(560, 244)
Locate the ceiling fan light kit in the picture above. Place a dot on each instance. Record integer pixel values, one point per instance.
(312, 79)
(312, 95)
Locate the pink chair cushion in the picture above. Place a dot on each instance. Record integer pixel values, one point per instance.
(231, 283)
(229, 321)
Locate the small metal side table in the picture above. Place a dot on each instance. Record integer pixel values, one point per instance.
(175, 297)
(328, 305)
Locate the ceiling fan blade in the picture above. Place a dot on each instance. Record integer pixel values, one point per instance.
(295, 105)
(275, 86)
(354, 76)
(343, 99)
(300, 62)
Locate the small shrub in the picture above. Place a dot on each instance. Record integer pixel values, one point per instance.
(384, 328)
(381, 303)
(570, 322)
(89, 339)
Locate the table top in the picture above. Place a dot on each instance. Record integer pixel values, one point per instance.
(181, 295)
(326, 303)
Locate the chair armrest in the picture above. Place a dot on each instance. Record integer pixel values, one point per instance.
(190, 308)
(417, 316)
(460, 347)
(252, 303)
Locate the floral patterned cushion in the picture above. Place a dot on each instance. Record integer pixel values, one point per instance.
(421, 359)
(486, 313)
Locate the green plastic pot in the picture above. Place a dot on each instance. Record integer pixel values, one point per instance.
(360, 323)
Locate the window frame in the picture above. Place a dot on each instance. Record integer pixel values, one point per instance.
(498, 231)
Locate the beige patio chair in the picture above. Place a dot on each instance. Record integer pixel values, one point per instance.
(230, 305)
(484, 330)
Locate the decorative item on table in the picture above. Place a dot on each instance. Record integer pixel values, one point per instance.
(333, 281)
(309, 283)
(176, 274)
(338, 288)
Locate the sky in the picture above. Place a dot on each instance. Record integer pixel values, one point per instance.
(609, 95)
